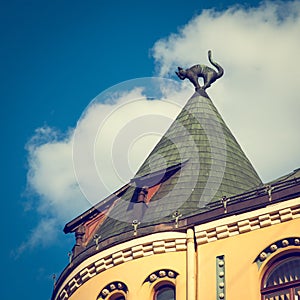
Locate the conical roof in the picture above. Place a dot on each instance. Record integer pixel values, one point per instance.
(197, 162)
(215, 165)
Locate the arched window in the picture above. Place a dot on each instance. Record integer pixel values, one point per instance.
(165, 292)
(282, 279)
(116, 290)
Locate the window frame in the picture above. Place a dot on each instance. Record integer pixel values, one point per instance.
(290, 286)
(163, 285)
(116, 295)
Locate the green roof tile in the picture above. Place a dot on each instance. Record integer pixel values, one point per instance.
(213, 165)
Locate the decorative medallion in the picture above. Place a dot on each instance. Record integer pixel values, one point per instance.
(292, 241)
(163, 273)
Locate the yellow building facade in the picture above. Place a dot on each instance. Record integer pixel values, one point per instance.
(161, 237)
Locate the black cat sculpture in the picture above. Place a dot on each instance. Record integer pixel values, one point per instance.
(208, 74)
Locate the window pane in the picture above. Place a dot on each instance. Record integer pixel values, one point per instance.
(117, 297)
(287, 271)
(165, 293)
(281, 295)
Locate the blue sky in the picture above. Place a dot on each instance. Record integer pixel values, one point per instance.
(56, 56)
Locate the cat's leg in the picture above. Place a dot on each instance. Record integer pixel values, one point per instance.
(209, 78)
(206, 81)
(194, 80)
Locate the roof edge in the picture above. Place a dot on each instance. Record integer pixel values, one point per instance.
(257, 198)
(99, 207)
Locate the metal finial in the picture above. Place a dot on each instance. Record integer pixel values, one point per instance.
(269, 190)
(135, 224)
(176, 215)
(224, 201)
(54, 279)
(97, 239)
(70, 255)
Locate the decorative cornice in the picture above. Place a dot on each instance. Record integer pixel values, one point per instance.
(247, 222)
(75, 275)
(119, 257)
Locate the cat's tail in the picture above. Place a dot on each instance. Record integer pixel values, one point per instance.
(219, 68)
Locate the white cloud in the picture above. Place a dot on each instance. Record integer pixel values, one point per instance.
(51, 178)
(116, 132)
(51, 173)
(44, 234)
(257, 97)
(112, 140)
